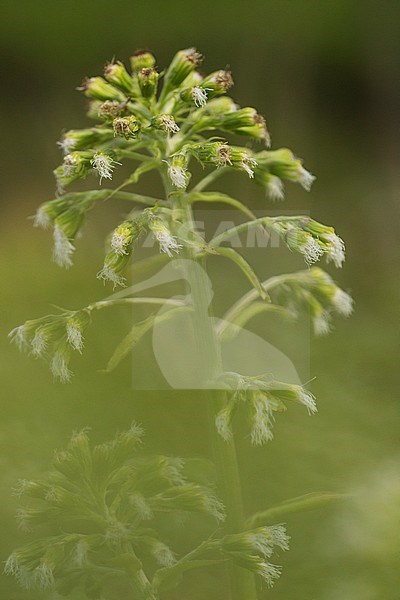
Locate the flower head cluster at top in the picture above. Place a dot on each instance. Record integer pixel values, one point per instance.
(163, 121)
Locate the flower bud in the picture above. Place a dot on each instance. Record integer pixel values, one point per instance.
(118, 76)
(104, 165)
(177, 172)
(165, 123)
(127, 127)
(284, 165)
(75, 327)
(306, 244)
(80, 139)
(217, 83)
(168, 243)
(124, 236)
(114, 264)
(332, 244)
(252, 549)
(110, 110)
(246, 121)
(221, 106)
(183, 63)
(142, 59)
(59, 364)
(148, 81)
(97, 88)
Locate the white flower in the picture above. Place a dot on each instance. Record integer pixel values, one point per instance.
(39, 343)
(104, 165)
(343, 303)
(223, 422)
(308, 399)
(141, 506)
(311, 250)
(321, 324)
(178, 176)
(74, 336)
(248, 164)
(336, 249)
(168, 243)
(163, 555)
(275, 188)
(12, 565)
(168, 124)
(63, 249)
(80, 553)
(262, 421)
(59, 367)
(305, 178)
(199, 96)
(122, 239)
(69, 165)
(223, 155)
(41, 218)
(43, 577)
(66, 144)
(269, 572)
(108, 274)
(279, 537)
(18, 336)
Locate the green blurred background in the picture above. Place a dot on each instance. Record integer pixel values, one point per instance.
(326, 75)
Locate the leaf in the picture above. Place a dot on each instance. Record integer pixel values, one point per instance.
(166, 578)
(293, 505)
(136, 334)
(244, 266)
(220, 197)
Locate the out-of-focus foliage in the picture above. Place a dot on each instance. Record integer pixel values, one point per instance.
(326, 76)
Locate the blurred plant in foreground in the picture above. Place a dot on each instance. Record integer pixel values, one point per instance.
(164, 132)
(99, 518)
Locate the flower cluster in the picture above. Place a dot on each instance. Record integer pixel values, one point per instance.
(53, 338)
(316, 292)
(312, 239)
(259, 398)
(252, 550)
(66, 215)
(102, 506)
(124, 237)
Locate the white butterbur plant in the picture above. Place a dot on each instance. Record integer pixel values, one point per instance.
(166, 123)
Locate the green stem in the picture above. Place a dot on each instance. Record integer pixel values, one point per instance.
(208, 179)
(242, 582)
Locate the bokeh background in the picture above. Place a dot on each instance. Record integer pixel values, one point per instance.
(326, 75)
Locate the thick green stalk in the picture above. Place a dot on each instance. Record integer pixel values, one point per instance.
(242, 581)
